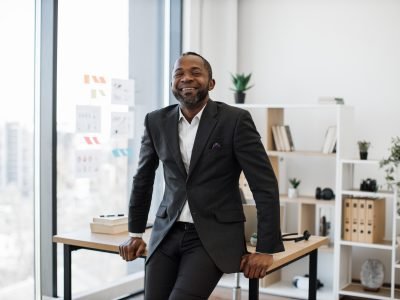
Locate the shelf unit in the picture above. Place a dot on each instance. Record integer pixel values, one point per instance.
(343, 284)
(307, 208)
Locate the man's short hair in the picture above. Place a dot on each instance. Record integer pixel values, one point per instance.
(205, 61)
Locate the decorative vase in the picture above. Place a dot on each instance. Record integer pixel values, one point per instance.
(363, 155)
(239, 97)
(293, 193)
(372, 275)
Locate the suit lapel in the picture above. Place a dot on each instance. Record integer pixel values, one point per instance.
(207, 123)
(171, 129)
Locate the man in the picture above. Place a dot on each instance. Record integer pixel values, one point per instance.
(198, 233)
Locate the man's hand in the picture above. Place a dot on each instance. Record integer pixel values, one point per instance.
(256, 265)
(132, 248)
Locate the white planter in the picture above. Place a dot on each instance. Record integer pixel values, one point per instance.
(293, 193)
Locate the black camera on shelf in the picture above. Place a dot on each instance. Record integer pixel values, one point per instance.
(368, 185)
(325, 194)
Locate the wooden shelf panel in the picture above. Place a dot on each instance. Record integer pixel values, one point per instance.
(358, 193)
(283, 106)
(360, 161)
(357, 290)
(305, 200)
(385, 245)
(299, 153)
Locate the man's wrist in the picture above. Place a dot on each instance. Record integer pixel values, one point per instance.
(135, 235)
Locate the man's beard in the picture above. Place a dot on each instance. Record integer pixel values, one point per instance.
(191, 101)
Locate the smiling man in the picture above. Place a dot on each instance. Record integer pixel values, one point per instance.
(198, 233)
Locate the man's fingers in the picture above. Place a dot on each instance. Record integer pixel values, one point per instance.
(243, 261)
(141, 249)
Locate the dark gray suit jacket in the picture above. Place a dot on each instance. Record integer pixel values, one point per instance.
(226, 143)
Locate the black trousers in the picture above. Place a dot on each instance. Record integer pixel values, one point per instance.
(180, 268)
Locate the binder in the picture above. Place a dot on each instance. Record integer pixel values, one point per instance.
(375, 220)
(347, 219)
(354, 220)
(362, 226)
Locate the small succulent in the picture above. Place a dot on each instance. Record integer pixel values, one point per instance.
(294, 182)
(240, 82)
(363, 146)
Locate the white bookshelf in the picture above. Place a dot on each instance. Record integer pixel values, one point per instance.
(344, 283)
(308, 209)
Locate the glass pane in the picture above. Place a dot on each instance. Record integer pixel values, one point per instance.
(95, 112)
(16, 149)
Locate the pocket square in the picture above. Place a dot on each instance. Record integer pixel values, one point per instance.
(216, 146)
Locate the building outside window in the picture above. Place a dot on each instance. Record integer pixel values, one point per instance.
(16, 149)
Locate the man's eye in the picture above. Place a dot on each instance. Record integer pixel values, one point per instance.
(177, 75)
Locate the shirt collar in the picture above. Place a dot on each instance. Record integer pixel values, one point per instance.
(198, 116)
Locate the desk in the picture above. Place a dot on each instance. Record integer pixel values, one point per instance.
(84, 239)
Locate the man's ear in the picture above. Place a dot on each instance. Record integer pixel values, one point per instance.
(211, 84)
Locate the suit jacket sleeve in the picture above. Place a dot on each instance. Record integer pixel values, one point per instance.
(257, 168)
(142, 188)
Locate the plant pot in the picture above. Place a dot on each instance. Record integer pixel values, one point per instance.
(293, 193)
(239, 97)
(363, 155)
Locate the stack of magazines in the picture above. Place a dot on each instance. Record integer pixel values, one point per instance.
(109, 224)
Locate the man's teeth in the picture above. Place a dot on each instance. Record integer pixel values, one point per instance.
(187, 89)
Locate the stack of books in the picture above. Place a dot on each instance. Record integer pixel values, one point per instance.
(109, 224)
(283, 139)
(364, 220)
(330, 100)
(329, 145)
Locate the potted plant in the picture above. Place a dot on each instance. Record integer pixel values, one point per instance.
(253, 239)
(294, 183)
(363, 147)
(391, 163)
(240, 85)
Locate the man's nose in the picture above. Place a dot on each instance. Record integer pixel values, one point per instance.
(186, 77)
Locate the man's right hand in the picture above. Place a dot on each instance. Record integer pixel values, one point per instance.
(132, 248)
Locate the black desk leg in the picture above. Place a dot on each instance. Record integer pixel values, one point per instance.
(253, 289)
(67, 272)
(312, 283)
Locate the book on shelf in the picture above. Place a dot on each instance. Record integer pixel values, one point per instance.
(111, 219)
(108, 228)
(347, 220)
(363, 220)
(277, 139)
(290, 137)
(330, 100)
(283, 138)
(329, 145)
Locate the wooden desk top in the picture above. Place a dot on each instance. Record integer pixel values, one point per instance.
(110, 242)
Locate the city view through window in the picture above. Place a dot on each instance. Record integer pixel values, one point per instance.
(16, 149)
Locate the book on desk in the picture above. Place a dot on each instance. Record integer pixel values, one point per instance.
(111, 224)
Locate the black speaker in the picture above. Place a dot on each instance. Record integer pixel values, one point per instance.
(325, 194)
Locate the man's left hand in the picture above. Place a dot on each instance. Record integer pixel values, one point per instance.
(255, 265)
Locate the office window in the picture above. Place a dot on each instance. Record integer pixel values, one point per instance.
(94, 116)
(16, 149)
(100, 113)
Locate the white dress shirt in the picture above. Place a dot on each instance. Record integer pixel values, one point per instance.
(187, 134)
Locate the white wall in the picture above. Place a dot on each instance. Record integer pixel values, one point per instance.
(300, 50)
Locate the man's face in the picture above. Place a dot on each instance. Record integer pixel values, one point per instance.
(190, 81)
